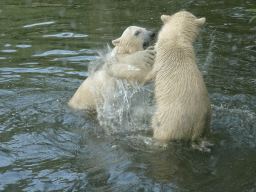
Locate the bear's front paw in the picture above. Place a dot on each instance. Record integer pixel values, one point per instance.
(150, 55)
(151, 50)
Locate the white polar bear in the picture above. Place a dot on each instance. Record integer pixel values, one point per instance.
(131, 59)
(183, 108)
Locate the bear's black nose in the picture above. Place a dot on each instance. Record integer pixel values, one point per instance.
(152, 35)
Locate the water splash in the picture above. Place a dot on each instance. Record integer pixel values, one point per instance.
(129, 107)
(104, 56)
(236, 118)
(126, 109)
(209, 58)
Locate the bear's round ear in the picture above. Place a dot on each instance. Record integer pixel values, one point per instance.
(201, 21)
(116, 42)
(165, 18)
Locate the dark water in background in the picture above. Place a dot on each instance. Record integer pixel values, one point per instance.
(45, 49)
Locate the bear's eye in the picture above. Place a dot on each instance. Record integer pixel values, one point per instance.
(137, 33)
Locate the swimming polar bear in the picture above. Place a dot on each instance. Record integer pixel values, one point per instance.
(131, 59)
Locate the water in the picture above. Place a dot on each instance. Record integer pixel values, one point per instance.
(45, 49)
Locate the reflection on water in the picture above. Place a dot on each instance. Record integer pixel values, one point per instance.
(45, 51)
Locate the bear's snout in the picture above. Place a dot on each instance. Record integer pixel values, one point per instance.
(152, 35)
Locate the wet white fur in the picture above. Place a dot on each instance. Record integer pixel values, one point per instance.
(128, 60)
(183, 109)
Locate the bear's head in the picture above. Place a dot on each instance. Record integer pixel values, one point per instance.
(183, 24)
(133, 39)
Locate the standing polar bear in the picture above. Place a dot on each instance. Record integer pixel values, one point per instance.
(183, 109)
(131, 59)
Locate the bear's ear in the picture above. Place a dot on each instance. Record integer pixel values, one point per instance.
(165, 18)
(116, 42)
(201, 21)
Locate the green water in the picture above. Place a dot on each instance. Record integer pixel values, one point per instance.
(45, 49)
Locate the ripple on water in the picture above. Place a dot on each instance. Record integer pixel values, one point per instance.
(65, 52)
(8, 51)
(23, 46)
(6, 92)
(35, 70)
(77, 58)
(5, 159)
(12, 177)
(236, 116)
(32, 63)
(56, 52)
(83, 74)
(121, 177)
(63, 180)
(67, 35)
(37, 24)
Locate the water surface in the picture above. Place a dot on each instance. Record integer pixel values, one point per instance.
(45, 50)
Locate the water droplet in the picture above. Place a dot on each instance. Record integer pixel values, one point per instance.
(62, 13)
(73, 24)
(234, 48)
(229, 36)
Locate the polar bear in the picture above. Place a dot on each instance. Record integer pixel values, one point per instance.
(131, 59)
(183, 109)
